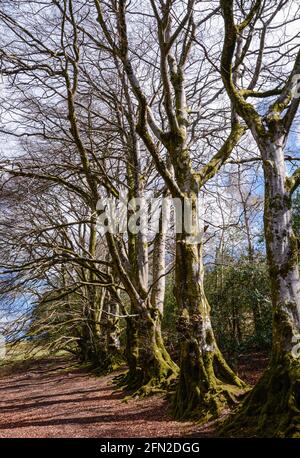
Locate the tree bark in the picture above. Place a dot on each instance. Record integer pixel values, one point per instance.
(156, 366)
(150, 366)
(206, 384)
(273, 407)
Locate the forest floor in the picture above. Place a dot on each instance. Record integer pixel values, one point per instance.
(51, 398)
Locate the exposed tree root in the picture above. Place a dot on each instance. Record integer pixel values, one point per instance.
(152, 379)
(272, 409)
(206, 386)
(154, 369)
(109, 364)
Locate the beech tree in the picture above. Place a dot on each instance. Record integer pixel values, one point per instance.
(83, 108)
(206, 383)
(273, 405)
(106, 98)
(45, 243)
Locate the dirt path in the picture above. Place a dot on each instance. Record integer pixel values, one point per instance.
(49, 399)
(42, 402)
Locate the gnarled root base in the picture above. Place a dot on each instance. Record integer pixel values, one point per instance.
(103, 364)
(204, 407)
(206, 385)
(110, 364)
(145, 381)
(155, 370)
(272, 409)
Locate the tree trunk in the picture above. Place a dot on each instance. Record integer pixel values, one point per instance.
(113, 329)
(273, 407)
(257, 319)
(206, 384)
(110, 335)
(157, 370)
(131, 352)
(159, 261)
(150, 365)
(236, 332)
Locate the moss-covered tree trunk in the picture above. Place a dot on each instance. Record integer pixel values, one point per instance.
(113, 328)
(109, 334)
(273, 407)
(150, 367)
(156, 367)
(131, 352)
(206, 383)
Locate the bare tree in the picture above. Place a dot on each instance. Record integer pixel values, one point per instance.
(199, 389)
(275, 396)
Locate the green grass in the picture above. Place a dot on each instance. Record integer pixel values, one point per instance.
(23, 355)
